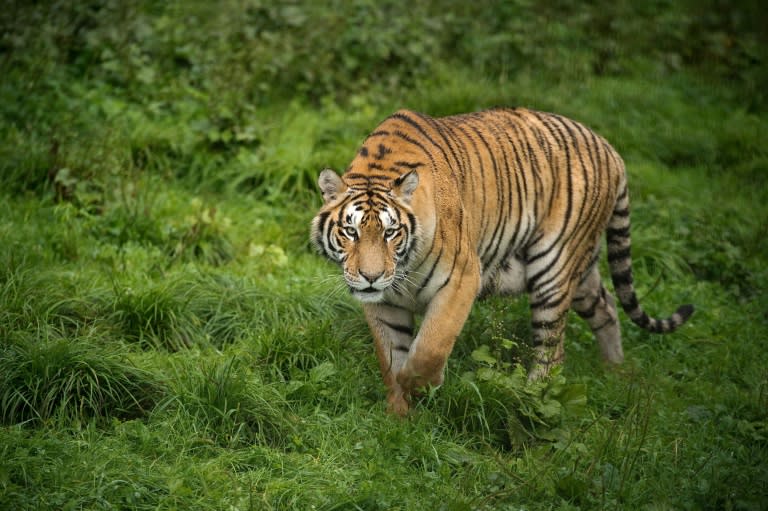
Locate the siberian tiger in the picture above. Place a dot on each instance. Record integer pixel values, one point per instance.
(434, 212)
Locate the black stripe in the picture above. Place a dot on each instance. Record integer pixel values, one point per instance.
(543, 122)
(322, 218)
(320, 233)
(547, 302)
(549, 341)
(656, 326)
(420, 129)
(503, 144)
(450, 274)
(632, 305)
(644, 321)
(409, 246)
(499, 220)
(538, 180)
(621, 212)
(521, 186)
(431, 271)
(607, 322)
(443, 129)
(375, 177)
(481, 169)
(408, 164)
(613, 233)
(556, 243)
(622, 278)
(543, 142)
(590, 310)
(402, 329)
(546, 325)
(415, 142)
(622, 194)
(556, 261)
(588, 212)
(617, 255)
(412, 220)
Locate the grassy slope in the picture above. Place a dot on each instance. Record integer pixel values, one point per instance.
(171, 342)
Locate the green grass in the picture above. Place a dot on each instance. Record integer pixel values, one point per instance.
(168, 339)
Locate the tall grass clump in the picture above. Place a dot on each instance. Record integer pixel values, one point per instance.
(157, 315)
(20, 302)
(46, 302)
(613, 473)
(225, 402)
(230, 308)
(71, 379)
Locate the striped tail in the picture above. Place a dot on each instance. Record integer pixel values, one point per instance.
(620, 263)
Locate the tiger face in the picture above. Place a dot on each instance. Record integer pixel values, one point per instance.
(368, 230)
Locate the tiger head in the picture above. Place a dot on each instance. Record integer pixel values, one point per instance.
(369, 228)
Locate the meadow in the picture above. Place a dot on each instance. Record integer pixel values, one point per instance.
(169, 339)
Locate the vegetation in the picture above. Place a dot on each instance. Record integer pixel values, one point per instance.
(168, 340)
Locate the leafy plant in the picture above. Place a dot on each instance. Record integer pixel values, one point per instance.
(203, 237)
(496, 398)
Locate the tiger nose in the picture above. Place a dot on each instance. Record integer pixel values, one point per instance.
(371, 277)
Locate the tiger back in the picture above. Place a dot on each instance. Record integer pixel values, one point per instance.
(434, 212)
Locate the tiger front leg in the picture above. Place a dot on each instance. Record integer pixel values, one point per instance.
(443, 320)
(392, 329)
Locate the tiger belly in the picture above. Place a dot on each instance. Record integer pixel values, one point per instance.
(508, 278)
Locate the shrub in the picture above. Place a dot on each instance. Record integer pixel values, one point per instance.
(496, 400)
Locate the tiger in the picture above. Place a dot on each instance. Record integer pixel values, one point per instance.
(434, 213)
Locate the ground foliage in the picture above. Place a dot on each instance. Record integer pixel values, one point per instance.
(169, 341)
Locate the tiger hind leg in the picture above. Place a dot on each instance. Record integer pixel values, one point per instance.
(598, 308)
(548, 317)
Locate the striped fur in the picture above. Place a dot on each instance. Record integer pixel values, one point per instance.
(433, 212)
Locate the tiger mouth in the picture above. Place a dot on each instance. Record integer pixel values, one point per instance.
(369, 294)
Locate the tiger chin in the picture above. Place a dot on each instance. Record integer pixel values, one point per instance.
(434, 212)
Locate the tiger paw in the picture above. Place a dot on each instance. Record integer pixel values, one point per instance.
(416, 384)
(397, 404)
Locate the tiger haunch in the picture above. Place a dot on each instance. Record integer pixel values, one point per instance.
(434, 212)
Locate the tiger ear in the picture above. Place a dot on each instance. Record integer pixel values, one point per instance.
(330, 185)
(405, 185)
